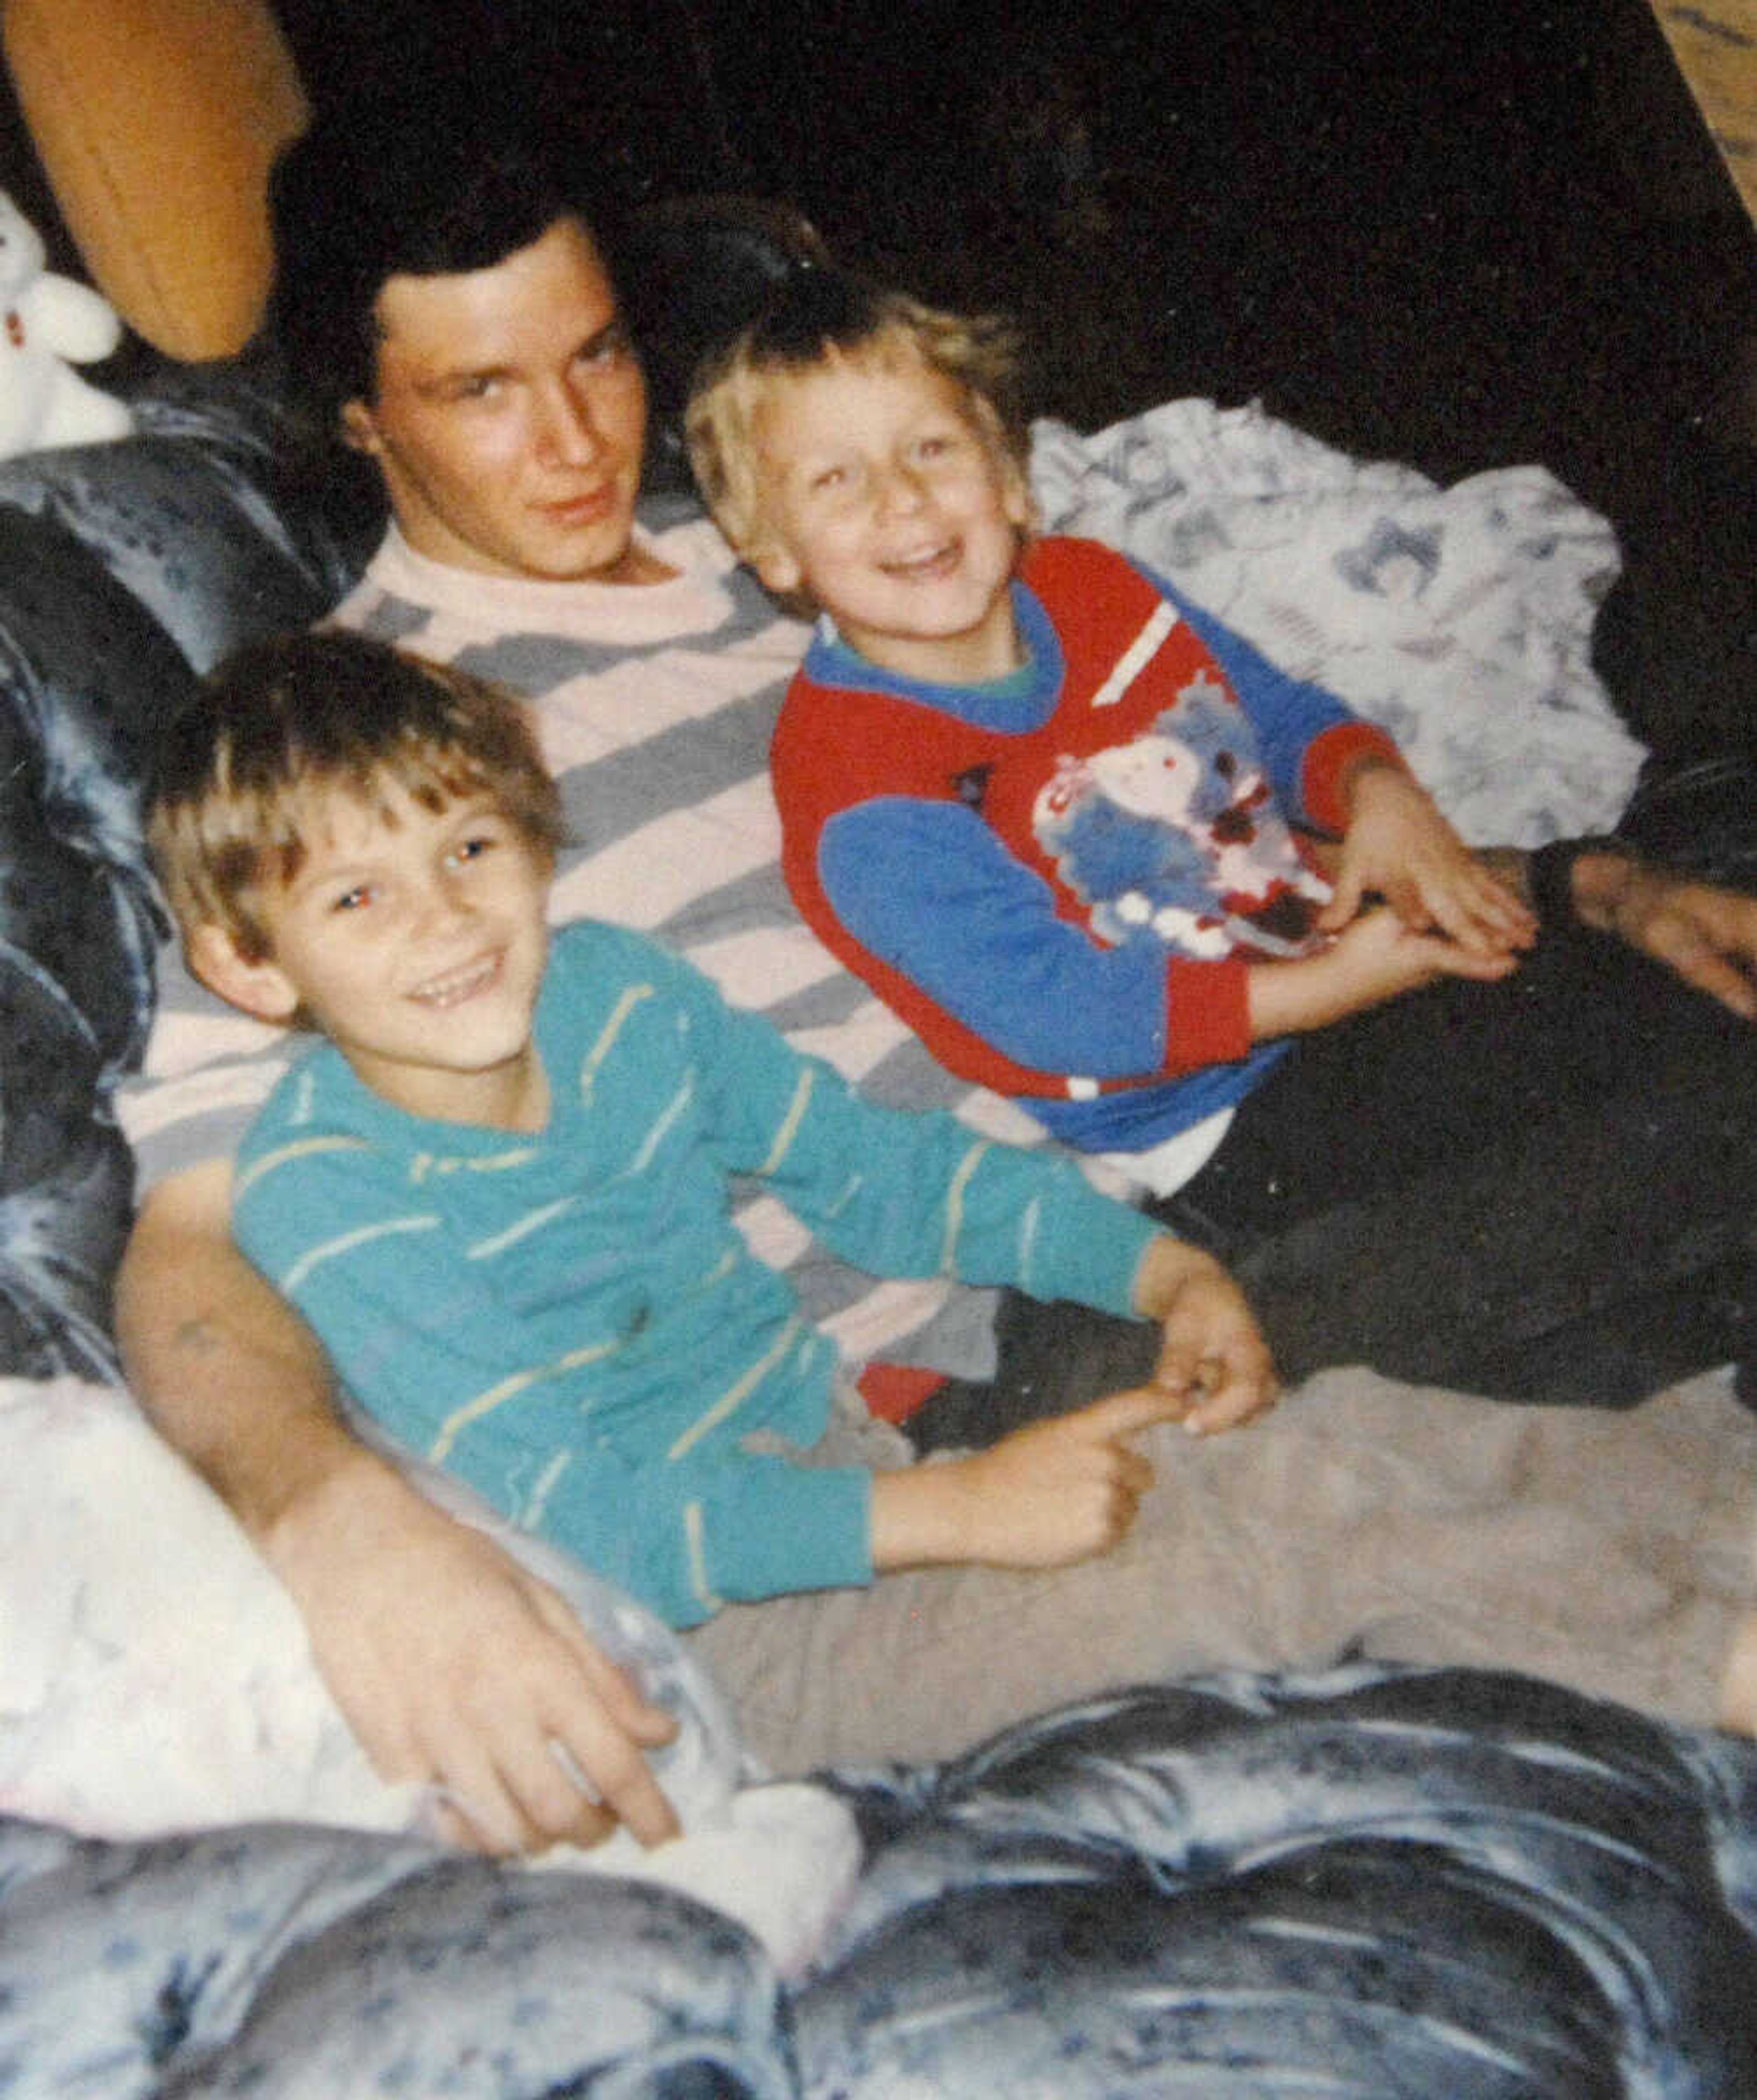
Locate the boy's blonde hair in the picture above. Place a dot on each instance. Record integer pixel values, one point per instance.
(817, 314)
(239, 761)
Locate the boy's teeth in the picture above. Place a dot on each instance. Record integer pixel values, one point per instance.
(441, 991)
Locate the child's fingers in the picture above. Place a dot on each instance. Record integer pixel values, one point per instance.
(1344, 902)
(1119, 1415)
(1478, 913)
(1227, 1366)
(1238, 1401)
(1452, 958)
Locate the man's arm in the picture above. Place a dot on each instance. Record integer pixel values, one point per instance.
(450, 1663)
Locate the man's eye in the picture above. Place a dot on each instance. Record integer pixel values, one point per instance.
(609, 348)
(830, 478)
(473, 848)
(478, 386)
(353, 900)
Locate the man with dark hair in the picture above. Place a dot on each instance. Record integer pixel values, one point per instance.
(484, 368)
(419, 200)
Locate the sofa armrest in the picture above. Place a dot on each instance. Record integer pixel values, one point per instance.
(124, 568)
(83, 671)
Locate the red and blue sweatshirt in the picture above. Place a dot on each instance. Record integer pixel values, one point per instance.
(1060, 879)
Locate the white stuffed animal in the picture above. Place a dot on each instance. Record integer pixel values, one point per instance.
(48, 319)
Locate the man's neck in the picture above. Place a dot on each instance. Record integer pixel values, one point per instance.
(638, 563)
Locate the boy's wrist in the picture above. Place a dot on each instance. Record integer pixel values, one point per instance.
(1368, 772)
(920, 1516)
(1290, 998)
(1167, 1266)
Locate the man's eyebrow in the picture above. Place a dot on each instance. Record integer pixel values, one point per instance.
(616, 326)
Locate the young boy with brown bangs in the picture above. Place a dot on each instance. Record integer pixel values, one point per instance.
(498, 1189)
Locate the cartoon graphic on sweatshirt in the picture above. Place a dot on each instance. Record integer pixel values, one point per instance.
(1175, 836)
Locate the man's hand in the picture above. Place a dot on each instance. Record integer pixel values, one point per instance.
(1214, 1365)
(454, 1666)
(1708, 935)
(1399, 846)
(458, 1669)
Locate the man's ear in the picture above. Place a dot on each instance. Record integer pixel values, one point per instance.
(258, 988)
(359, 430)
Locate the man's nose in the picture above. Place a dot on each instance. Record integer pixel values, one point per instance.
(570, 432)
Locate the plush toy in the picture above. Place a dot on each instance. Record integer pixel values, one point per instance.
(50, 318)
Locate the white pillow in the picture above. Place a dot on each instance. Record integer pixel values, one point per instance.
(155, 1677)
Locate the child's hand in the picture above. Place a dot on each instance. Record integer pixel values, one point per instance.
(1375, 958)
(1062, 1490)
(1046, 1496)
(1213, 1360)
(1400, 846)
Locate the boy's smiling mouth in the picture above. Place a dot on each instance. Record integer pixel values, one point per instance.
(454, 987)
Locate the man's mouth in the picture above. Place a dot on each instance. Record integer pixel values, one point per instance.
(453, 987)
(591, 508)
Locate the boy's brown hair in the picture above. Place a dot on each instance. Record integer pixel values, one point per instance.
(240, 760)
(817, 314)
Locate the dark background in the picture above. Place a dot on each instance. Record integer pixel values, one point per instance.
(1463, 237)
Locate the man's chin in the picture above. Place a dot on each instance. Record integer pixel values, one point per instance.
(603, 552)
(603, 555)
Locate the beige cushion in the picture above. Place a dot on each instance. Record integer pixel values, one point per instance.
(156, 121)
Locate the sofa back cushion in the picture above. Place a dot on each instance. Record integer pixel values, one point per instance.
(125, 569)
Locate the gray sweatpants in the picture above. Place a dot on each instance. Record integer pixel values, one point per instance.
(1608, 1552)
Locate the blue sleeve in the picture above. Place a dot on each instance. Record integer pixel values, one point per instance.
(900, 1193)
(933, 892)
(735, 1529)
(1289, 714)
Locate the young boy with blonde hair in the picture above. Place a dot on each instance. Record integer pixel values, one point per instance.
(1031, 793)
(1188, 911)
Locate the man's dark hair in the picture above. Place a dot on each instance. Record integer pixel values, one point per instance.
(377, 188)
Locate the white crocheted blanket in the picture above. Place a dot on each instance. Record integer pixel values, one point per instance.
(1458, 619)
